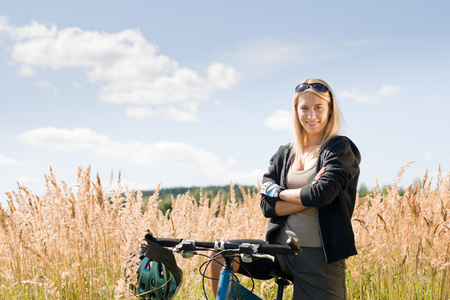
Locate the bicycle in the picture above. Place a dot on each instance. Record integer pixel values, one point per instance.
(229, 286)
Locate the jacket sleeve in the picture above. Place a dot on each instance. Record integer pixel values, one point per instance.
(273, 175)
(341, 164)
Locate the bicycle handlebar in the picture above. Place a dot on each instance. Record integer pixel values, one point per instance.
(246, 249)
(292, 247)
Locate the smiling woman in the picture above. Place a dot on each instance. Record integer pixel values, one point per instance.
(313, 98)
(309, 190)
(313, 113)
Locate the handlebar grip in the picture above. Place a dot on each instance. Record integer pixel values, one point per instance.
(167, 242)
(274, 249)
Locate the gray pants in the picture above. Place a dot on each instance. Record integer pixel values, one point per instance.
(313, 277)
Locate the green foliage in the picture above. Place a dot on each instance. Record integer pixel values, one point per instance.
(364, 191)
(166, 194)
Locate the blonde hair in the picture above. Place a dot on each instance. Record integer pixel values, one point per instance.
(334, 121)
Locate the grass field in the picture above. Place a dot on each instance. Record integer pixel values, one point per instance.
(74, 242)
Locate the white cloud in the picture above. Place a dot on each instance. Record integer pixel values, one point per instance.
(11, 162)
(26, 70)
(268, 51)
(355, 95)
(280, 120)
(24, 180)
(77, 85)
(361, 43)
(64, 139)
(34, 30)
(261, 56)
(221, 76)
(47, 86)
(134, 185)
(128, 68)
(429, 156)
(4, 25)
(186, 112)
(388, 90)
(139, 112)
(257, 57)
(159, 154)
(384, 91)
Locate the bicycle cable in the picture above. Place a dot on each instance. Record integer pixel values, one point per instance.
(215, 259)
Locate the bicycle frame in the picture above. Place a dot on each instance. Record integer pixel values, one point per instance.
(231, 289)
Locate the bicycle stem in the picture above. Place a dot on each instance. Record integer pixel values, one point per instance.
(226, 275)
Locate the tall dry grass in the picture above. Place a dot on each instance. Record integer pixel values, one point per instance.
(74, 242)
(403, 242)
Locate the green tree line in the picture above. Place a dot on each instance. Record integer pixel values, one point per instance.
(224, 192)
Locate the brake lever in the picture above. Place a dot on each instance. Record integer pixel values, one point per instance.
(293, 242)
(250, 251)
(271, 257)
(186, 248)
(247, 251)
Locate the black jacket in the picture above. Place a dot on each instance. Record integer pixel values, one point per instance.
(334, 195)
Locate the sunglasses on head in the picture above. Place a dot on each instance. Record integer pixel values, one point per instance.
(318, 87)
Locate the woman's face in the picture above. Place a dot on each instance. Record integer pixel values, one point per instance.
(313, 113)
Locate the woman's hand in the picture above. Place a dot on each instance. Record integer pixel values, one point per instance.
(271, 189)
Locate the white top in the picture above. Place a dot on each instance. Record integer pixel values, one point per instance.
(305, 223)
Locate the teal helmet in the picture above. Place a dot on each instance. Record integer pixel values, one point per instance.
(155, 281)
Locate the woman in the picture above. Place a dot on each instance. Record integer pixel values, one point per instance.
(310, 190)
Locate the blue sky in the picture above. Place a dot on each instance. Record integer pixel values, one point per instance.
(199, 92)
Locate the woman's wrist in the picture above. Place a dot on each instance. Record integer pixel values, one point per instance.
(291, 195)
